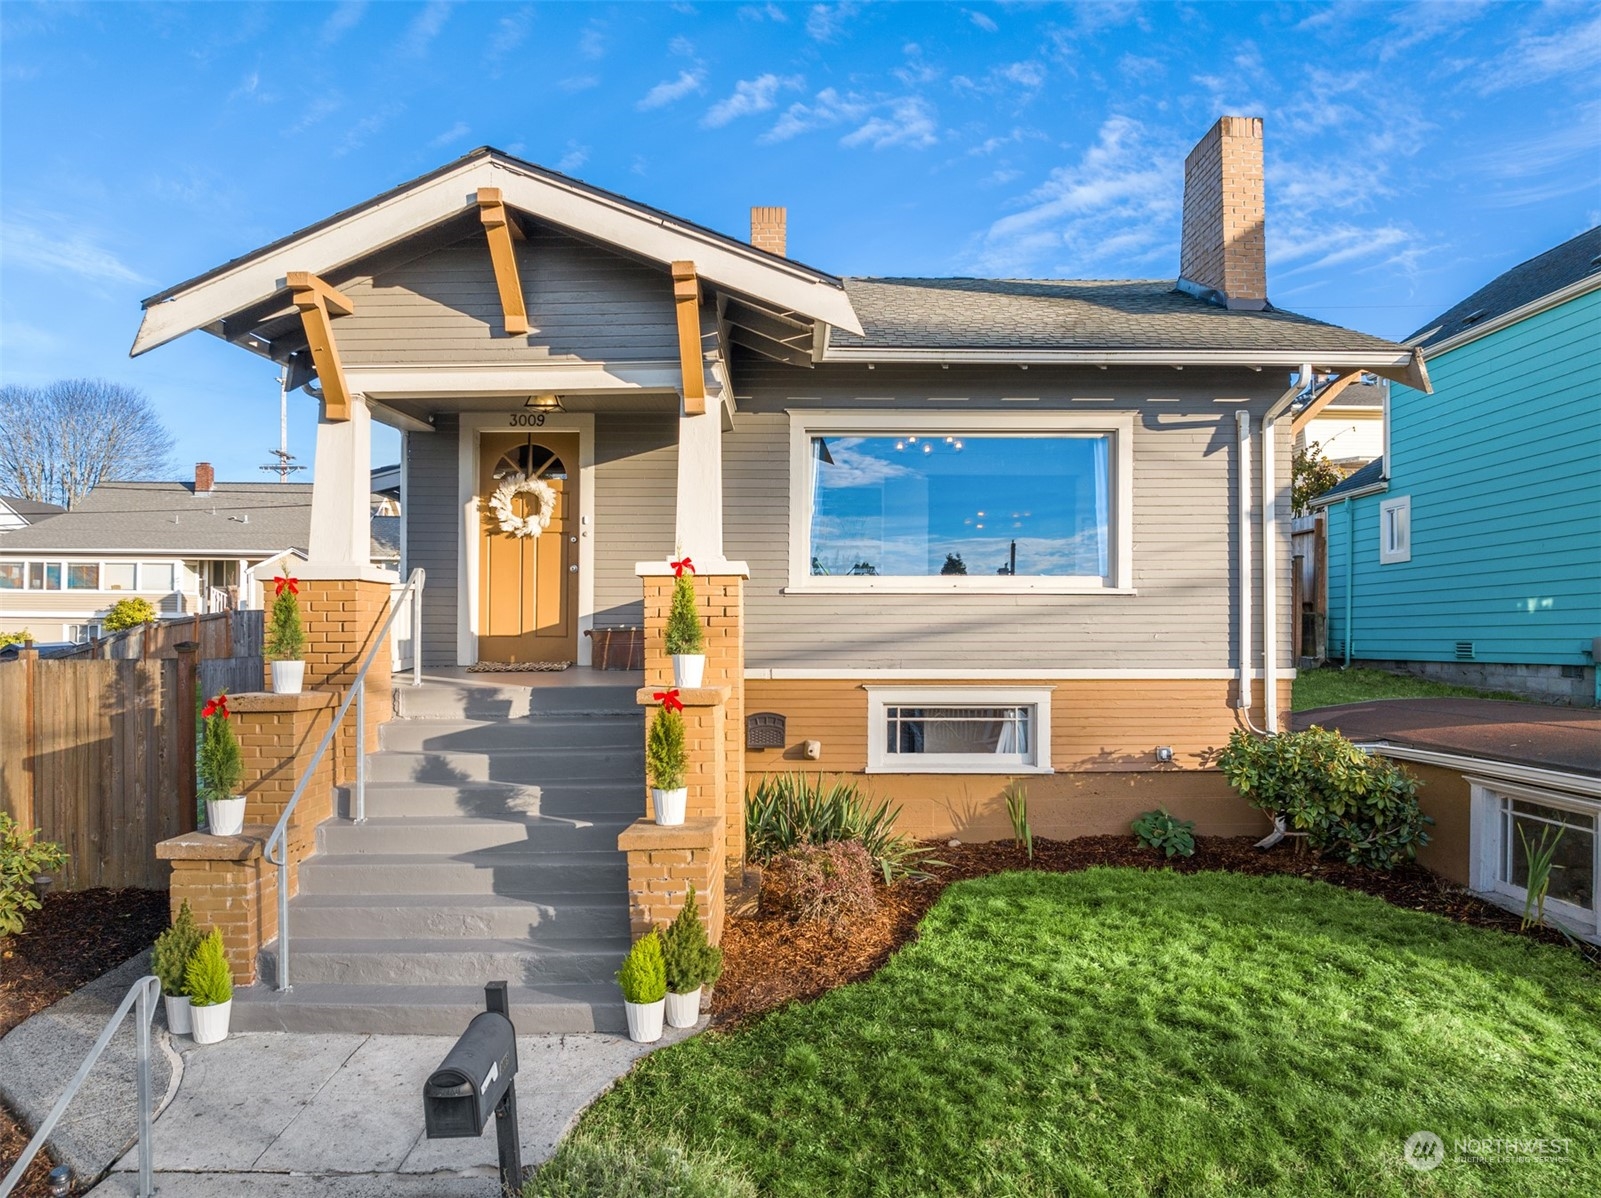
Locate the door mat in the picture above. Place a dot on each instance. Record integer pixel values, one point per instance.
(518, 667)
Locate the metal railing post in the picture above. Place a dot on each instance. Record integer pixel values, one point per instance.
(283, 915)
(142, 1053)
(416, 635)
(361, 752)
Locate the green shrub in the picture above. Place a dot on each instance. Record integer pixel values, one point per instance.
(220, 766)
(684, 634)
(666, 757)
(820, 883)
(1359, 807)
(23, 857)
(1017, 811)
(15, 638)
(286, 640)
(129, 613)
(689, 958)
(207, 978)
(643, 976)
(784, 812)
(603, 1167)
(1159, 830)
(173, 950)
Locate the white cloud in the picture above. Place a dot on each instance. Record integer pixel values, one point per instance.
(1541, 58)
(764, 12)
(510, 32)
(578, 83)
(670, 90)
(984, 22)
(344, 19)
(827, 108)
(826, 21)
(315, 112)
(593, 42)
(682, 47)
(453, 134)
(424, 28)
(357, 134)
(909, 122)
(750, 96)
(34, 246)
(574, 158)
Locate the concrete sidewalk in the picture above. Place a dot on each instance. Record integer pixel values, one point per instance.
(341, 1115)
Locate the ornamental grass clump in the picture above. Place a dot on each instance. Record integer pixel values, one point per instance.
(690, 959)
(784, 812)
(666, 757)
(286, 638)
(825, 883)
(207, 977)
(220, 766)
(1359, 807)
(684, 632)
(643, 976)
(172, 952)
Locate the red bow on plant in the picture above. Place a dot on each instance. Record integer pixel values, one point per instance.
(681, 565)
(282, 584)
(217, 706)
(669, 700)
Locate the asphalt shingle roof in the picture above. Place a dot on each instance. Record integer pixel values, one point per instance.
(31, 510)
(244, 519)
(1132, 314)
(1523, 284)
(1372, 473)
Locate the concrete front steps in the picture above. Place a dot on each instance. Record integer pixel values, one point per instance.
(489, 851)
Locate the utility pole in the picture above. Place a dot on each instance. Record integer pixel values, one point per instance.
(283, 466)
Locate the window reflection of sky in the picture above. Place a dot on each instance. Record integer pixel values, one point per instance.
(899, 505)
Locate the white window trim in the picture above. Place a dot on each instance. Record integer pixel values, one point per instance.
(1388, 556)
(92, 627)
(1487, 851)
(806, 423)
(881, 761)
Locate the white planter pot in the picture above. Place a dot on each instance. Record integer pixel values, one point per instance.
(288, 677)
(645, 1020)
(177, 1014)
(210, 1024)
(683, 1010)
(669, 805)
(688, 669)
(225, 817)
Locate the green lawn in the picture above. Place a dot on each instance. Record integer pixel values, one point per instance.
(1332, 685)
(1119, 1031)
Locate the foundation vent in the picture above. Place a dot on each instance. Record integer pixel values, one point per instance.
(1464, 650)
(764, 730)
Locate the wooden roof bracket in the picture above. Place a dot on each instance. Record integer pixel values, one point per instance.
(686, 302)
(502, 230)
(1322, 399)
(318, 304)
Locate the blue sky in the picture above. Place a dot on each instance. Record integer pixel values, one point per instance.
(1413, 151)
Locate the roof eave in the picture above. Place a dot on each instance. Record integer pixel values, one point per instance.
(1495, 324)
(1381, 362)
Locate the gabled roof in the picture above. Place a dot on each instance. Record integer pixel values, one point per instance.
(1084, 315)
(204, 301)
(1370, 475)
(1569, 265)
(123, 518)
(31, 510)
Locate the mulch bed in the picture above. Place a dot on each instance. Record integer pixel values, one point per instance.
(770, 961)
(76, 937)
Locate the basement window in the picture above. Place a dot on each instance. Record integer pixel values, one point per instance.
(1516, 828)
(959, 730)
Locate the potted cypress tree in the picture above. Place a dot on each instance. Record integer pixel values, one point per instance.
(210, 984)
(286, 640)
(643, 979)
(686, 641)
(691, 962)
(169, 961)
(220, 768)
(666, 759)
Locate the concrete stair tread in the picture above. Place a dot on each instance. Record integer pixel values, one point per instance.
(473, 901)
(313, 945)
(530, 818)
(563, 1007)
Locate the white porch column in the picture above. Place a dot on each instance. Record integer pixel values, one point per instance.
(699, 527)
(341, 497)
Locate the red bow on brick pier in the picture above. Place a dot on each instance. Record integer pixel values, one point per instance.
(669, 700)
(681, 565)
(282, 584)
(217, 706)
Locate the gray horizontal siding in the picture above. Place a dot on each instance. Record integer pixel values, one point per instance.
(433, 532)
(584, 304)
(636, 482)
(1185, 561)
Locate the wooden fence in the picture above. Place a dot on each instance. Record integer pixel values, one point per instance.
(1309, 587)
(99, 751)
(220, 635)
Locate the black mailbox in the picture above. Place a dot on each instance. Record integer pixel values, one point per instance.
(464, 1091)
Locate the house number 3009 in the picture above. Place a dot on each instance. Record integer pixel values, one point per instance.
(528, 420)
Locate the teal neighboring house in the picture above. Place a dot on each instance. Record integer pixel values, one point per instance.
(1471, 551)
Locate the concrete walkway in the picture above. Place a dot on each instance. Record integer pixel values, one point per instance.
(279, 1113)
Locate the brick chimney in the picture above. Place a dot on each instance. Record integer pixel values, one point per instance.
(1223, 254)
(205, 478)
(769, 229)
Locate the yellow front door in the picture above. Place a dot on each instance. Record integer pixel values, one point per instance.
(528, 585)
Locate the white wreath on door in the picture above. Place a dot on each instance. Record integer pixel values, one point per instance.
(513, 485)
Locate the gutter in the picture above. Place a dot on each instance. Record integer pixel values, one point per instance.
(1375, 361)
(1495, 324)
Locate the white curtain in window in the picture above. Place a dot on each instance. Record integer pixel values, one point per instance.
(1103, 493)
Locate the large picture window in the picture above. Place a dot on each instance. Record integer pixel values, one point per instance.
(940, 503)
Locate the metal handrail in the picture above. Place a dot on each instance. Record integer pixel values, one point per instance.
(357, 692)
(144, 992)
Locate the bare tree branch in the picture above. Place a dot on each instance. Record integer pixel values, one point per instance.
(57, 443)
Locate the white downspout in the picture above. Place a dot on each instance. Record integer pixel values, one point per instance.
(1242, 701)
